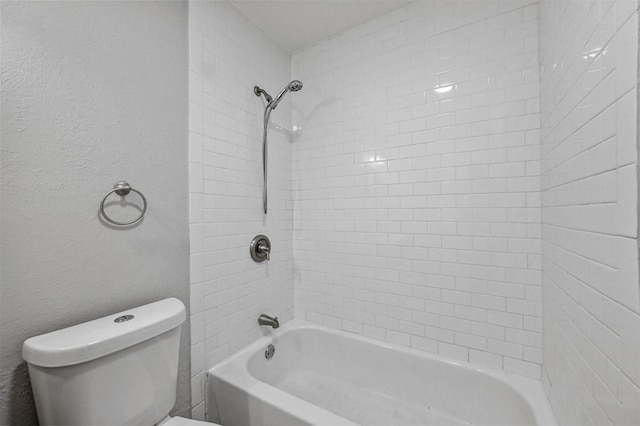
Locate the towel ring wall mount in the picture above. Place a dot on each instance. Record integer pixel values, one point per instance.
(122, 188)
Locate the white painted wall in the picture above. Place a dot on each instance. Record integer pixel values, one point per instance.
(589, 76)
(416, 214)
(228, 56)
(92, 92)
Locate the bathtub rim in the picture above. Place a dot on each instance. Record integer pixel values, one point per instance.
(234, 370)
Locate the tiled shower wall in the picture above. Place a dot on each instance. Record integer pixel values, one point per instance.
(228, 56)
(416, 182)
(589, 181)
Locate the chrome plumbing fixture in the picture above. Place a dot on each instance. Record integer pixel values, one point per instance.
(294, 86)
(267, 320)
(260, 248)
(268, 353)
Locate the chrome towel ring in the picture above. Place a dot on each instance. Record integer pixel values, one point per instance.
(122, 188)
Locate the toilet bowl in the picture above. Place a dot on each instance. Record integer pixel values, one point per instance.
(121, 369)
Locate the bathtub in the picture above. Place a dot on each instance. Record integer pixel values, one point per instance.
(325, 377)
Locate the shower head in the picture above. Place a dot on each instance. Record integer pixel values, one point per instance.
(294, 86)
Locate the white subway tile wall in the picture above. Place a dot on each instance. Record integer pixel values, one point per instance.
(228, 56)
(589, 54)
(426, 152)
(416, 182)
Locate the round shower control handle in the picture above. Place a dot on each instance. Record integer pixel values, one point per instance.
(263, 249)
(260, 248)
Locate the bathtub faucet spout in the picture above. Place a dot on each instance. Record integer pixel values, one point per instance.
(267, 320)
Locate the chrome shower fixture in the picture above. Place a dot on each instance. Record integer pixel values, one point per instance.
(258, 91)
(294, 86)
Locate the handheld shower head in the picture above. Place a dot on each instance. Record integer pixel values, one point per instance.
(294, 86)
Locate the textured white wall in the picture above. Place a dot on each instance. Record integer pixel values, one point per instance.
(92, 92)
(228, 56)
(589, 72)
(416, 214)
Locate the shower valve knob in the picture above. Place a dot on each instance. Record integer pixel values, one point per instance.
(263, 249)
(260, 248)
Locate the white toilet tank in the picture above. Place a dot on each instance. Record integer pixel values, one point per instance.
(117, 370)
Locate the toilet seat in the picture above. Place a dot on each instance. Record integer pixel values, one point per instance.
(181, 421)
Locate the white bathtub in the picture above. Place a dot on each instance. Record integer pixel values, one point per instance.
(320, 376)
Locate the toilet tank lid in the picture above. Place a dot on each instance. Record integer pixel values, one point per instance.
(94, 339)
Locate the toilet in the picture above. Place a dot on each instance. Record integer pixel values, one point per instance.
(118, 370)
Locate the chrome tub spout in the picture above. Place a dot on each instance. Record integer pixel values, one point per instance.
(267, 320)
